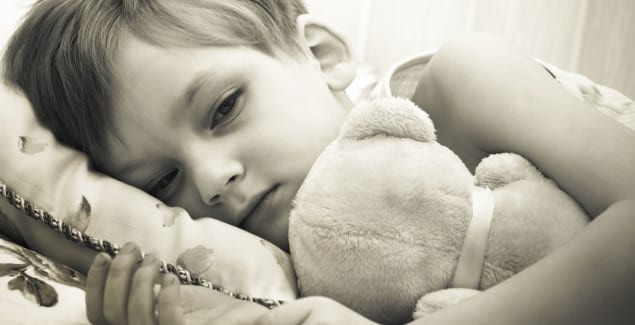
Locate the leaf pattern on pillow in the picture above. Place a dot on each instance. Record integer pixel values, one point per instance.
(34, 289)
(31, 277)
(197, 260)
(31, 145)
(281, 259)
(81, 219)
(12, 269)
(38, 265)
(169, 214)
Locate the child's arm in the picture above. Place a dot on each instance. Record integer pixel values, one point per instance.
(495, 100)
(491, 99)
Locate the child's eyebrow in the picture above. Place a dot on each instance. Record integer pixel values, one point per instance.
(186, 99)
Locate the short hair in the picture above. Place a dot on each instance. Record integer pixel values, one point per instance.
(61, 56)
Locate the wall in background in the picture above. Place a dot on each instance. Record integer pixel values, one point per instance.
(592, 37)
(10, 13)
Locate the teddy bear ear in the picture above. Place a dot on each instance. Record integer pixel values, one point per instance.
(391, 116)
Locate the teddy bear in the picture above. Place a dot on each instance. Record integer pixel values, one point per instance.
(387, 217)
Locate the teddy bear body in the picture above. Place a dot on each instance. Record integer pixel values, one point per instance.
(532, 216)
(393, 207)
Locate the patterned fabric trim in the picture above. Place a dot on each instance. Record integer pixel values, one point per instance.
(112, 249)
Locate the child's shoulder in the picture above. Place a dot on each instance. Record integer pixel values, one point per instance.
(477, 78)
(476, 62)
(455, 86)
(481, 93)
(485, 96)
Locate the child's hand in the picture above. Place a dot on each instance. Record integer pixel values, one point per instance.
(121, 290)
(313, 310)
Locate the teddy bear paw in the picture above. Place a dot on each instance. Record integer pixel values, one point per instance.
(438, 300)
(504, 168)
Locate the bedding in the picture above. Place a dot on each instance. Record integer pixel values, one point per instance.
(37, 290)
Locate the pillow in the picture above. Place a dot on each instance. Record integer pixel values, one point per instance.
(37, 290)
(41, 179)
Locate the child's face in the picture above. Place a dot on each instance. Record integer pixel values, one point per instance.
(224, 132)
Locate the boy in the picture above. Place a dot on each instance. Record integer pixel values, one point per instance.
(221, 107)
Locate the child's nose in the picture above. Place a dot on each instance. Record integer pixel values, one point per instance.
(216, 198)
(213, 181)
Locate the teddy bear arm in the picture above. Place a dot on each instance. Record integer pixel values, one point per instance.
(500, 169)
(441, 299)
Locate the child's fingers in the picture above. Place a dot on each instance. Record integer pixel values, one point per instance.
(168, 305)
(118, 284)
(95, 283)
(141, 300)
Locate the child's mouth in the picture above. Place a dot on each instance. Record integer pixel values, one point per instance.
(262, 206)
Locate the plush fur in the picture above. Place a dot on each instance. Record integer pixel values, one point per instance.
(381, 217)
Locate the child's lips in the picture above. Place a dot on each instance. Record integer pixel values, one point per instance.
(262, 207)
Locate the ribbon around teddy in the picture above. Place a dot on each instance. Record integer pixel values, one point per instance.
(470, 265)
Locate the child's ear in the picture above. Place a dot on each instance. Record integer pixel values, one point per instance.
(329, 50)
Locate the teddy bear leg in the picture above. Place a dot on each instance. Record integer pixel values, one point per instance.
(440, 299)
(501, 169)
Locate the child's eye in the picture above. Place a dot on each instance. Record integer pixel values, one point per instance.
(159, 187)
(226, 108)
